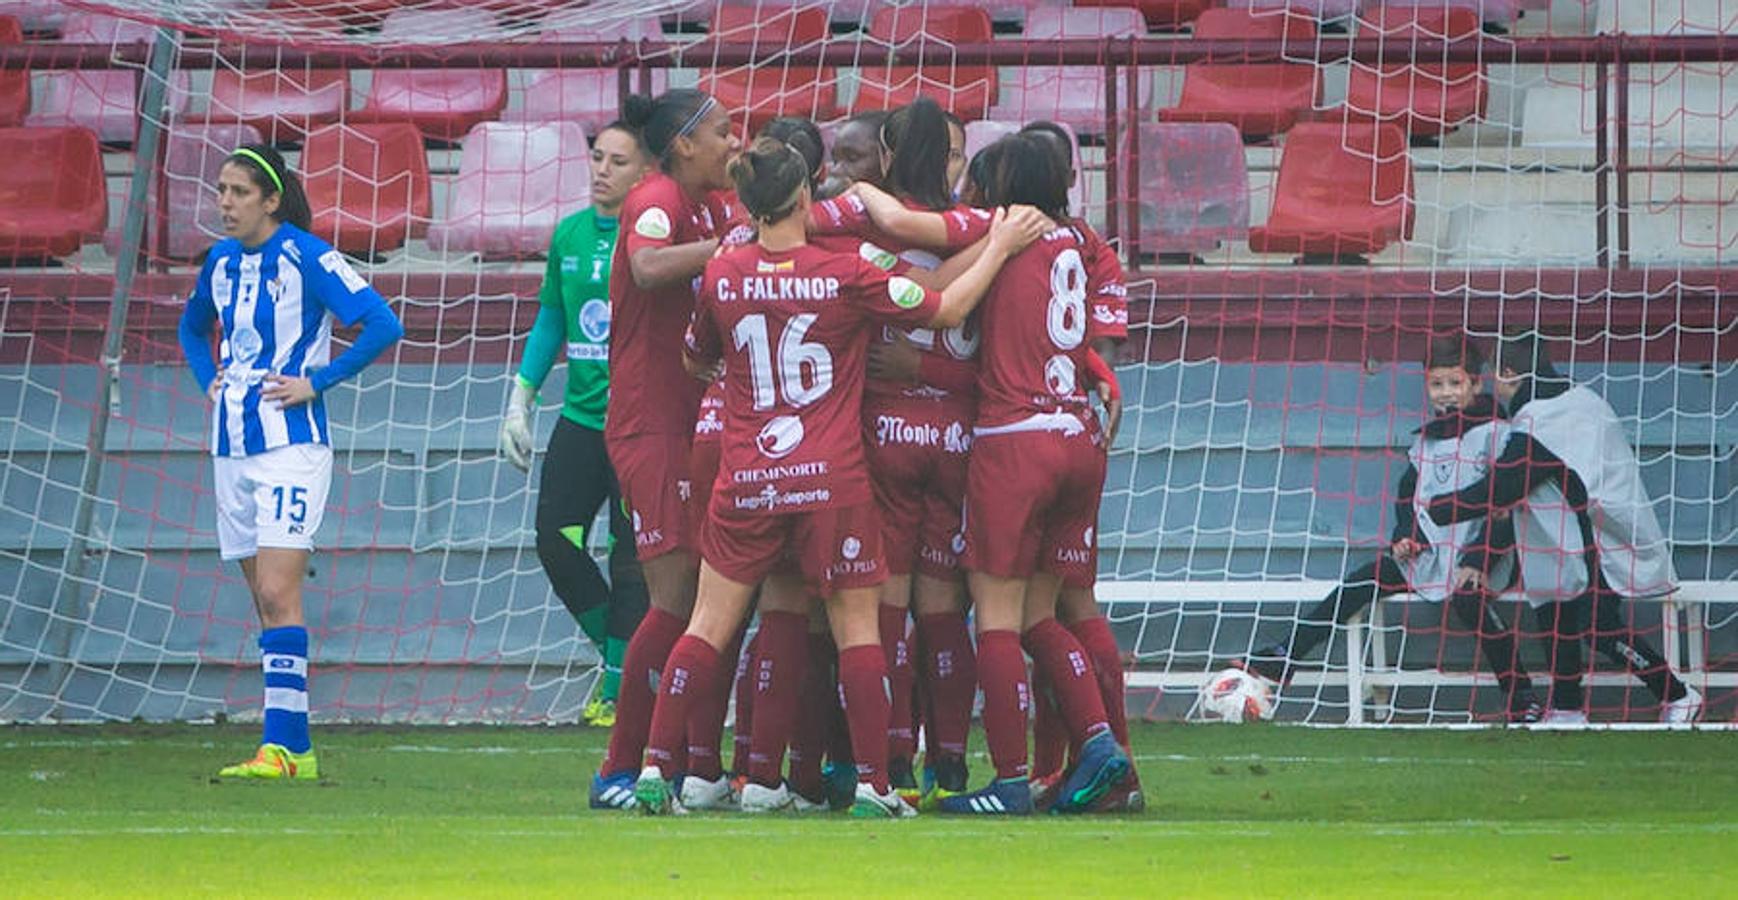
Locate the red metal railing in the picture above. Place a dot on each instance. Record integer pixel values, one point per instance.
(1209, 299)
(1610, 54)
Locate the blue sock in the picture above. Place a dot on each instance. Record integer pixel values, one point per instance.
(284, 657)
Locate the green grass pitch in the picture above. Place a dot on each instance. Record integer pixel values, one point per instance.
(1240, 811)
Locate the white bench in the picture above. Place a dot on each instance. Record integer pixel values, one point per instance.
(1369, 674)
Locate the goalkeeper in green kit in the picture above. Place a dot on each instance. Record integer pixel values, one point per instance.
(574, 316)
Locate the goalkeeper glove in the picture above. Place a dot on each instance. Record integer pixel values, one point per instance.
(516, 425)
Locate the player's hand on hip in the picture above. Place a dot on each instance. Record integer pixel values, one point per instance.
(214, 390)
(1406, 550)
(287, 390)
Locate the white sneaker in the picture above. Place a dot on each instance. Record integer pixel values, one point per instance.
(1683, 710)
(870, 805)
(698, 793)
(1564, 718)
(758, 799)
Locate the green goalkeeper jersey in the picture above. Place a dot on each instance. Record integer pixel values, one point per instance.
(576, 286)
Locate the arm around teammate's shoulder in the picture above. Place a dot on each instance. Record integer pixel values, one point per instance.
(1011, 230)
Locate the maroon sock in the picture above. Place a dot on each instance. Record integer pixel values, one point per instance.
(779, 672)
(706, 719)
(690, 675)
(1065, 664)
(741, 735)
(820, 697)
(1100, 644)
(1007, 697)
(1049, 734)
(838, 728)
(641, 667)
(896, 651)
(863, 686)
(951, 674)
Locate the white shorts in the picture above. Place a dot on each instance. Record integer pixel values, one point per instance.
(274, 499)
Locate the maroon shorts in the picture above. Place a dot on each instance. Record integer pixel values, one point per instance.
(1032, 504)
(917, 451)
(653, 470)
(833, 549)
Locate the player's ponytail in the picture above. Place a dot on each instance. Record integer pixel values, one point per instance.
(770, 176)
(267, 170)
(659, 122)
(916, 137)
(804, 137)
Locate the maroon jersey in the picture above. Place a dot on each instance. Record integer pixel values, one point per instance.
(733, 223)
(650, 393)
(1034, 324)
(948, 354)
(793, 328)
(1107, 292)
(834, 223)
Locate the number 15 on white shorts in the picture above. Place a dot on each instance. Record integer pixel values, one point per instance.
(273, 499)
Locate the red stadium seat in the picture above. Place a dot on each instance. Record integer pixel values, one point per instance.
(762, 92)
(368, 185)
(1344, 189)
(516, 181)
(443, 103)
(37, 16)
(1194, 187)
(105, 101)
(350, 13)
(1501, 12)
(14, 86)
(1073, 95)
(966, 91)
(591, 97)
(283, 104)
(53, 196)
(1423, 99)
(1323, 10)
(1165, 15)
(192, 159)
(1261, 100)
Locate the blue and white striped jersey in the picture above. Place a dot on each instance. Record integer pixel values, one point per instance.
(275, 303)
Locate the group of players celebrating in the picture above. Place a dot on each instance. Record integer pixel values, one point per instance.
(837, 396)
(856, 400)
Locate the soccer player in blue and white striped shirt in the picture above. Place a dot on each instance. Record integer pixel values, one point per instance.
(274, 289)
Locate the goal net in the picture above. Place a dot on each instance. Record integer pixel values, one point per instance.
(1299, 218)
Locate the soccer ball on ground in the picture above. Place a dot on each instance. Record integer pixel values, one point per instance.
(1234, 695)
